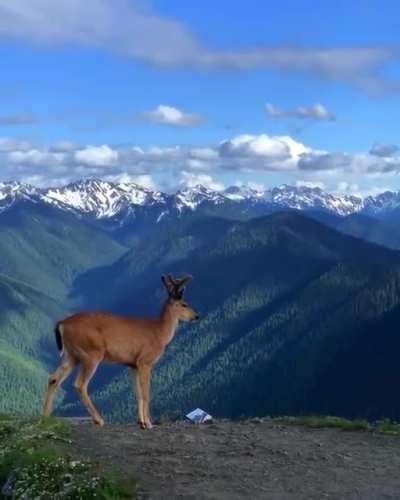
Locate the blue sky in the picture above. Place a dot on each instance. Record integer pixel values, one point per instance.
(172, 93)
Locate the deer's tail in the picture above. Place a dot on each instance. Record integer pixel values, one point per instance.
(59, 330)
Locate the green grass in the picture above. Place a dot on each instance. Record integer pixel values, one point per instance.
(324, 422)
(388, 427)
(35, 463)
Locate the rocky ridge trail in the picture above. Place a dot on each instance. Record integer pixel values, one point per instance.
(256, 459)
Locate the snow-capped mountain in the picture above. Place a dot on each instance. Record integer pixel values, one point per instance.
(101, 199)
(308, 198)
(388, 201)
(297, 198)
(191, 198)
(242, 193)
(13, 191)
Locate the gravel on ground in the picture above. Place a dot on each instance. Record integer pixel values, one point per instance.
(256, 459)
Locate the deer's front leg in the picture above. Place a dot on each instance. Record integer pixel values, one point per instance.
(144, 375)
(139, 399)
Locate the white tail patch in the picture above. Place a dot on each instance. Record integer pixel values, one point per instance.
(61, 331)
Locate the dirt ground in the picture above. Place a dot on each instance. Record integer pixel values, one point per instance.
(257, 459)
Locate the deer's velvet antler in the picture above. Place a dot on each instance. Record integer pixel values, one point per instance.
(175, 286)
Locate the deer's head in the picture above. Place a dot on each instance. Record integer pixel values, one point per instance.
(175, 288)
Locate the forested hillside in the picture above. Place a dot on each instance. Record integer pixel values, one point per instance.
(27, 347)
(297, 317)
(42, 251)
(48, 248)
(286, 303)
(380, 231)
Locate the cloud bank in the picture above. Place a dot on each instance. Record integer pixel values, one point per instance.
(384, 150)
(129, 28)
(242, 155)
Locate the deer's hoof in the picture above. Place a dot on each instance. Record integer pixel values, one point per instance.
(146, 425)
(99, 422)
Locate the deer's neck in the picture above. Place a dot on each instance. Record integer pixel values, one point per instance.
(168, 324)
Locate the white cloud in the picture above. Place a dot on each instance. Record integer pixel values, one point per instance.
(144, 180)
(205, 154)
(253, 145)
(97, 156)
(262, 152)
(311, 184)
(249, 185)
(384, 150)
(244, 156)
(360, 163)
(324, 161)
(129, 28)
(355, 189)
(168, 115)
(35, 157)
(317, 112)
(63, 147)
(10, 144)
(190, 179)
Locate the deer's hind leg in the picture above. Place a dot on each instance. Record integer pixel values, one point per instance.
(89, 367)
(55, 380)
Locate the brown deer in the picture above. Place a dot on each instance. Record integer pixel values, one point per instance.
(89, 339)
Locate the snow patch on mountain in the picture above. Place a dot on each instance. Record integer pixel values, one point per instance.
(383, 202)
(241, 193)
(99, 198)
(102, 199)
(297, 198)
(306, 198)
(12, 191)
(192, 197)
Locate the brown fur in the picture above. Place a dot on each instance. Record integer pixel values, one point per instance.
(89, 339)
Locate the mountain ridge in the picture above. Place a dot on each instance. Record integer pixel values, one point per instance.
(102, 199)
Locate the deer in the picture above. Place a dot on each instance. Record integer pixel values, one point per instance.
(88, 339)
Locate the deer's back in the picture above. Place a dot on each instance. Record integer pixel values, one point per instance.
(115, 338)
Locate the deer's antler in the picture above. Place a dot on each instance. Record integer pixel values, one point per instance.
(175, 286)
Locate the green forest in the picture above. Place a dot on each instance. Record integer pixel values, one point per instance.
(299, 314)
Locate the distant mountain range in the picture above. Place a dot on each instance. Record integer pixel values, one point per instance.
(121, 202)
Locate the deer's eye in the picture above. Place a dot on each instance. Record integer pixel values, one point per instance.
(184, 305)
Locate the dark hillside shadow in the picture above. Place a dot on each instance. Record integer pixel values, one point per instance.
(365, 376)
